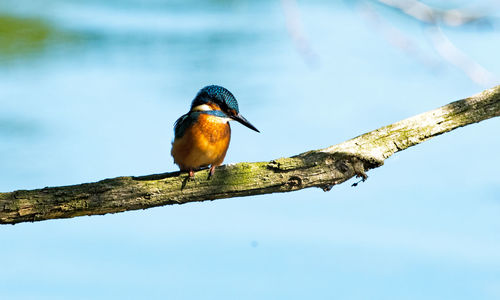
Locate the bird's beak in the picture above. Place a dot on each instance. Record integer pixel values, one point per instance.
(244, 121)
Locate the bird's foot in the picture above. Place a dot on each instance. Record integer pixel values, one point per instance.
(211, 172)
(189, 178)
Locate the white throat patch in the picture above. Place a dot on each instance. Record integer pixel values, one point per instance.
(202, 107)
(222, 119)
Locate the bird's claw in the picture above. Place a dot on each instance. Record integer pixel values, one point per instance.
(211, 172)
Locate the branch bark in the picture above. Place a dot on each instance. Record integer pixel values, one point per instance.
(322, 168)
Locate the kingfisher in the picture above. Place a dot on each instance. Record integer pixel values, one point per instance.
(202, 135)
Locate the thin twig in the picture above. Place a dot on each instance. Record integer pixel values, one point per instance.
(431, 15)
(396, 37)
(297, 33)
(448, 51)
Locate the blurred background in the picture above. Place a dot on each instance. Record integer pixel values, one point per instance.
(91, 89)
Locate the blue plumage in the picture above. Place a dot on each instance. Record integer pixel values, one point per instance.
(218, 95)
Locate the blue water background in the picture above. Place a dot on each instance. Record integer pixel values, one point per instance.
(100, 102)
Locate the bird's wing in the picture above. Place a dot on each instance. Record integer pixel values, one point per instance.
(182, 124)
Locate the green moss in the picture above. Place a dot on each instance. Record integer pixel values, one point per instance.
(240, 174)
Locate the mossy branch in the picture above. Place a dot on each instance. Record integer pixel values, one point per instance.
(318, 168)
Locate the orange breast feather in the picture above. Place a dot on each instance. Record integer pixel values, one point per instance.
(204, 143)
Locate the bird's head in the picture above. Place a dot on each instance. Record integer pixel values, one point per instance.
(215, 97)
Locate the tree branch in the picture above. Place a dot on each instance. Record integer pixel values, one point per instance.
(318, 168)
(431, 15)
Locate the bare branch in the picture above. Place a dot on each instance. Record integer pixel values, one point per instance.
(297, 33)
(433, 18)
(319, 168)
(431, 15)
(396, 37)
(456, 57)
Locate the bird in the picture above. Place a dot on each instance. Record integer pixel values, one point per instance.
(202, 135)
